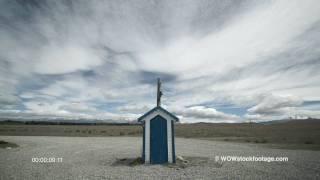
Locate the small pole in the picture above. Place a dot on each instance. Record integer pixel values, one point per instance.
(159, 93)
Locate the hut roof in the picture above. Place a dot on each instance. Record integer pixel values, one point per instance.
(155, 109)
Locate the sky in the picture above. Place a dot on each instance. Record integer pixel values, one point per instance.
(219, 61)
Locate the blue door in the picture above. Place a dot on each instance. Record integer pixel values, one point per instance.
(158, 138)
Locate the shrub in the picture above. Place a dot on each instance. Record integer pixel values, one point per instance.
(263, 141)
(3, 142)
(308, 142)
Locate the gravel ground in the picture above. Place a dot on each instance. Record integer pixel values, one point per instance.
(95, 158)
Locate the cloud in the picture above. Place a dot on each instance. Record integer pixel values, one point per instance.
(273, 107)
(8, 99)
(78, 107)
(275, 103)
(59, 59)
(205, 114)
(268, 29)
(135, 108)
(100, 59)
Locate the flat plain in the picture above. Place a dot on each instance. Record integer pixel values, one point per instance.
(107, 151)
(97, 157)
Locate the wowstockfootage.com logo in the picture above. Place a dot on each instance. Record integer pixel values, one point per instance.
(251, 159)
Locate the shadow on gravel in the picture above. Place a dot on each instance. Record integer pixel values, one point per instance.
(128, 162)
(7, 145)
(181, 162)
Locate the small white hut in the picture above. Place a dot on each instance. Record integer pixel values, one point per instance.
(158, 134)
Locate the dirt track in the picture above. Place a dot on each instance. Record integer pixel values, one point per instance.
(95, 157)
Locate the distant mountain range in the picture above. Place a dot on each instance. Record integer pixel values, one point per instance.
(309, 120)
(124, 122)
(65, 122)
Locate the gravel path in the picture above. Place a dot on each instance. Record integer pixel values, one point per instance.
(94, 158)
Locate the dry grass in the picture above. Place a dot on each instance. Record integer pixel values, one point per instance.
(70, 130)
(304, 133)
(301, 132)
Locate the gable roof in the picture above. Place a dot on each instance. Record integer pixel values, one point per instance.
(157, 108)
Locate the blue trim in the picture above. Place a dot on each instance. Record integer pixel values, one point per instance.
(154, 109)
(173, 145)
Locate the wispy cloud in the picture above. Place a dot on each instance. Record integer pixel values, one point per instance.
(100, 59)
